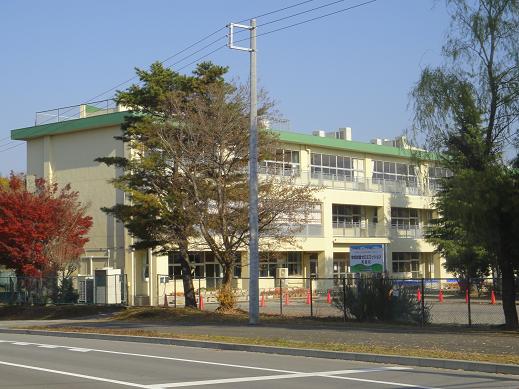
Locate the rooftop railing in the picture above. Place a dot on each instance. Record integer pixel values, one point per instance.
(80, 111)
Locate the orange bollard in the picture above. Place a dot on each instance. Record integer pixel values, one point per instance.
(329, 297)
(262, 301)
(201, 305)
(286, 298)
(492, 297)
(308, 298)
(418, 295)
(467, 296)
(440, 296)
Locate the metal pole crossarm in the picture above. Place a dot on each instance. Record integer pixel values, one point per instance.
(231, 44)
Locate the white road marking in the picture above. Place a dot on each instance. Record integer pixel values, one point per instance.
(171, 359)
(289, 373)
(78, 349)
(21, 343)
(377, 382)
(88, 377)
(326, 374)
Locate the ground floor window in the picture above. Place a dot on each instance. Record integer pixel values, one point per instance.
(340, 266)
(205, 263)
(268, 264)
(406, 263)
(294, 263)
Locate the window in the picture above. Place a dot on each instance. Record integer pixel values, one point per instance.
(237, 265)
(406, 263)
(314, 216)
(345, 215)
(436, 174)
(174, 265)
(336, 167)
(267, 265)
(404, 218)
(197, 259)
(285, 163)
(294, 263)
(393, 171)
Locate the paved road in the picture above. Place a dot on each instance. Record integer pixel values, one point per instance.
(52, 362)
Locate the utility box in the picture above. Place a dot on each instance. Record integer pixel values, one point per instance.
(86, 289)
(282, 272)
(108, 286)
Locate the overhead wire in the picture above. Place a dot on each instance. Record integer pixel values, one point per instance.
(241, 40)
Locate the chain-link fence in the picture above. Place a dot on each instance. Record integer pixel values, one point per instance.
(99, 289)
(419, 301)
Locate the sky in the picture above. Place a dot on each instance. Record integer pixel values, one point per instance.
(353, 69)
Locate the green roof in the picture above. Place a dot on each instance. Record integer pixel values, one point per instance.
(115, 119)
(109, 119)
(348, 145)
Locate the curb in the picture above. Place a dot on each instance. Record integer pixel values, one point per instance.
(452, 364)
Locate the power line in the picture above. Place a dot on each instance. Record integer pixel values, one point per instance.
(221, 47)
(302, 12)
(162, 62)
(134, 77)
(12, 147)
(312, 19)
(276, 11)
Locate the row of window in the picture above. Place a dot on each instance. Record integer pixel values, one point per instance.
(206, 265)
(338, 167)
(293, 260)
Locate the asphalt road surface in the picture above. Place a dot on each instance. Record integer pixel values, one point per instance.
(28, 361)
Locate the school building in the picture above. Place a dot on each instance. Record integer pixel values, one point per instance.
(372, 193)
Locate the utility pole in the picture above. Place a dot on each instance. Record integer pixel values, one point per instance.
(253, 172)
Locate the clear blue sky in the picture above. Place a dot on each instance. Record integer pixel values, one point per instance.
(353, 69)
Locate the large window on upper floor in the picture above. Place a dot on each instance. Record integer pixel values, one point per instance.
(404, 218)
(285, 163)
(345, 215)
(336, 167)
(436, 174)
(394, 171)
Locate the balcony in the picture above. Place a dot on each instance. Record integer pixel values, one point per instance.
(407, 233)
(304, 231)
(359, 230)
(80, 111)
(350, 184)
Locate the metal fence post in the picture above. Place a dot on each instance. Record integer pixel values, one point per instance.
(280, 297)
(423, 302)
(174, 291)
(468, 302)
(199, 291)
(344, 297)
(311, 299)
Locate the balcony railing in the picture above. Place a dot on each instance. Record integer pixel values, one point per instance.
(410, 233)
(305, 231)
(359, 230)
(351, 184)
(79, 111)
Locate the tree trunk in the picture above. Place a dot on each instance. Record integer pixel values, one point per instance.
(226, 296)
(228, 272)
(508, 296)
(187, 276)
